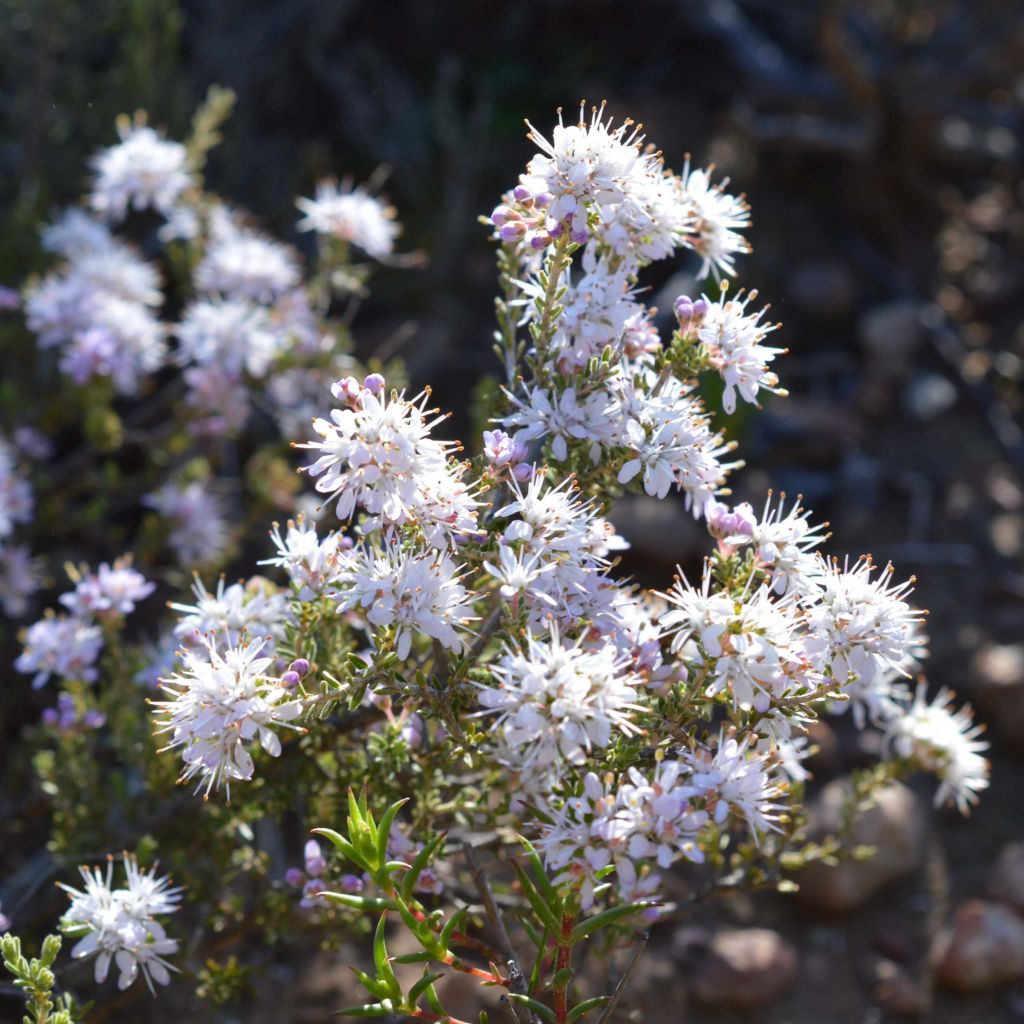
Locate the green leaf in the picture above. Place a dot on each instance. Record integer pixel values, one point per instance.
(451, 924)
(414, 958)
(370, 983)
(354, 815)
(358, 902)
(383, 962)
(606, 918)
(366, 1010)
(532, 934)
(561, 978)
(384, 829)
(585, 1007)
(421, 986)
(540, 908)
(344, 845)
(420, 862)
(539, 1008)
(543, 882)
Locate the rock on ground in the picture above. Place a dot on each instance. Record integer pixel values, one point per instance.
(896, 826)
(982, 947)
(743, 967)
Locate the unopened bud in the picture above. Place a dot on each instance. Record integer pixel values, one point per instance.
(299, 666)
(512, 231)
(374, 383)
(346, 390)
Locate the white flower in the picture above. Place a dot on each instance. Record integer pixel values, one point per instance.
(222, 703)
(943, 741)
(560, 700)
(586, 163)
(234, 613)
(783, 541)
(416, 591)
(564, 416)
(142, 171)
(752, 644)
(517, 571)
(641, 825)
(242, 263)
(199, 531)
(352, 215)
(110, 591)
(219, 397)
(377, 453)
(233, 333)
(734, 342)
(119, 926)
(20, 577)
(311, 563)
(669, 439)
(16, 502)
(60, 645)
(717, 218)
(75, 233)
(736, 780)
(865, 633)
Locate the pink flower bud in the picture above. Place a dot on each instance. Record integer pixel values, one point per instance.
(346, 390)
(300, 666)
(513, 231)
(374, 383)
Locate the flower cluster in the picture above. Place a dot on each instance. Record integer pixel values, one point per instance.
(456, 626)
(644, 823)
(221, 703)
(120, 926)
(98, 306)
(69, 645)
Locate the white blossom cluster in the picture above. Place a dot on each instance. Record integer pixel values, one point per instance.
(251, 332)
(596, 187)
(221, 703)
(645, 822)
(626, 728)
(98, 306)
(120, 926)
(69, 645)
(351, 214)
(19, 571)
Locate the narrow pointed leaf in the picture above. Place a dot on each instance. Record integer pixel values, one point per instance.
(539, 1008)
(383, 962)
(543, 882)
(366, 1010)
(346, 899)
(420, 987)
(585, 1007)
(606, 918)
(384, 829)
(540, 908)
(420, 862)
(345, 846)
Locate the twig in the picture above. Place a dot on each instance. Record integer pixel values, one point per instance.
(609, 1007)
(517, 983)
(486, 630)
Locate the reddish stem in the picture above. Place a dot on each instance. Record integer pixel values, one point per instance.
(562, 961)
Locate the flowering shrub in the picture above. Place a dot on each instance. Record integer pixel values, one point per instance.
(445, 649)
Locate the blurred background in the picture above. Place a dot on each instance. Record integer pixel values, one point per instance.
(880, 145)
